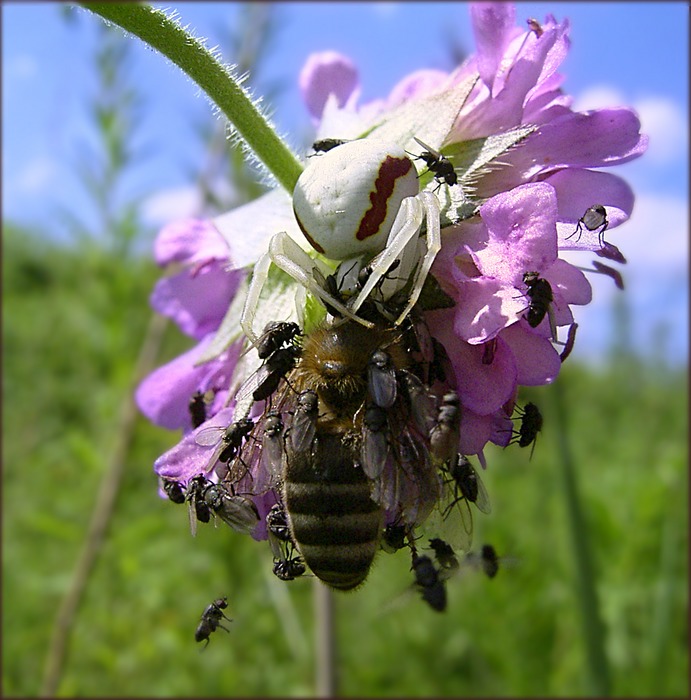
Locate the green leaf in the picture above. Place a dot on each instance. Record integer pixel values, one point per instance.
(471, 158)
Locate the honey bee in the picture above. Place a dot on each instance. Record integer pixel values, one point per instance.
(351, 455)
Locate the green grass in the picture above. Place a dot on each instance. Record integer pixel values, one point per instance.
(73, 324)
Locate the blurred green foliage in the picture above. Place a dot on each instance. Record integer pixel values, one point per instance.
(73, 322)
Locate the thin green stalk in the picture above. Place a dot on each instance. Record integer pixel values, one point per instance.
(593, 626)
(326, 677)
(104, 508)
(188, 52)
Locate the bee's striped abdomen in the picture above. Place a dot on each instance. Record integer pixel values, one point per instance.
(334, 522)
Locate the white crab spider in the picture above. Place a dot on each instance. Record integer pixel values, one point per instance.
(361, 201)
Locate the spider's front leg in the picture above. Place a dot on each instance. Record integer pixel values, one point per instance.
(403, 245)
(288, 256)
(431, 206)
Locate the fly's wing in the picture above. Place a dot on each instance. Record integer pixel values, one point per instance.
(421, 403)
(374, 446)
(381, 378)
(238, 512)
(272, 454)
(191, 512)
(252, 383)
(444, 438)
(450, 520)
(482, 501)
(303, 430)
(212, 437)
(431, 150)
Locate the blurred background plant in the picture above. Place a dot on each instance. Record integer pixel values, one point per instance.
(81, 516)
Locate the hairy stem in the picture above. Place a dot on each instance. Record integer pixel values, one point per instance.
(166, 35)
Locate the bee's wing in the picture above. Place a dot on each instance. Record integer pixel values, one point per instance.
(418, 483)
(374, 451)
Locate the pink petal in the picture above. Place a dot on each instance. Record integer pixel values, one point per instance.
(569, 282)
(484, 307)
(494, 24)
(189, 241)
(197, 303)
(416, 84)
(537, 362)
(323, 74)
(522, 233)
(595, 139)
(578, 190)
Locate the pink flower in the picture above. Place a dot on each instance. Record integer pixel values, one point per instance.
(526, 173)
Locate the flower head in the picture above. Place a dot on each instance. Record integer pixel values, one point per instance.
(446, 206)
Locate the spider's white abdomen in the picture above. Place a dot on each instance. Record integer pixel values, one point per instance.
(346, 200)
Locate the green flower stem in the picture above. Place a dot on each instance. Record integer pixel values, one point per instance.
(326, 676)
(593, 627)
(189, 53)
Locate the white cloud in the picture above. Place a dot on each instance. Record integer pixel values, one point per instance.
(23, 66)
(663, 121)
(35, 176)
(385, 10)
(661, 118)
(598, 97)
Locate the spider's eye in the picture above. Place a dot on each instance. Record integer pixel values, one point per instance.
(345, 201)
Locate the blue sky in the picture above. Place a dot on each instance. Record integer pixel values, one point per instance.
(622, 54)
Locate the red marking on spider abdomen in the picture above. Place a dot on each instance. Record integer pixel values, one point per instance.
(391, 169)
(309, 238)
